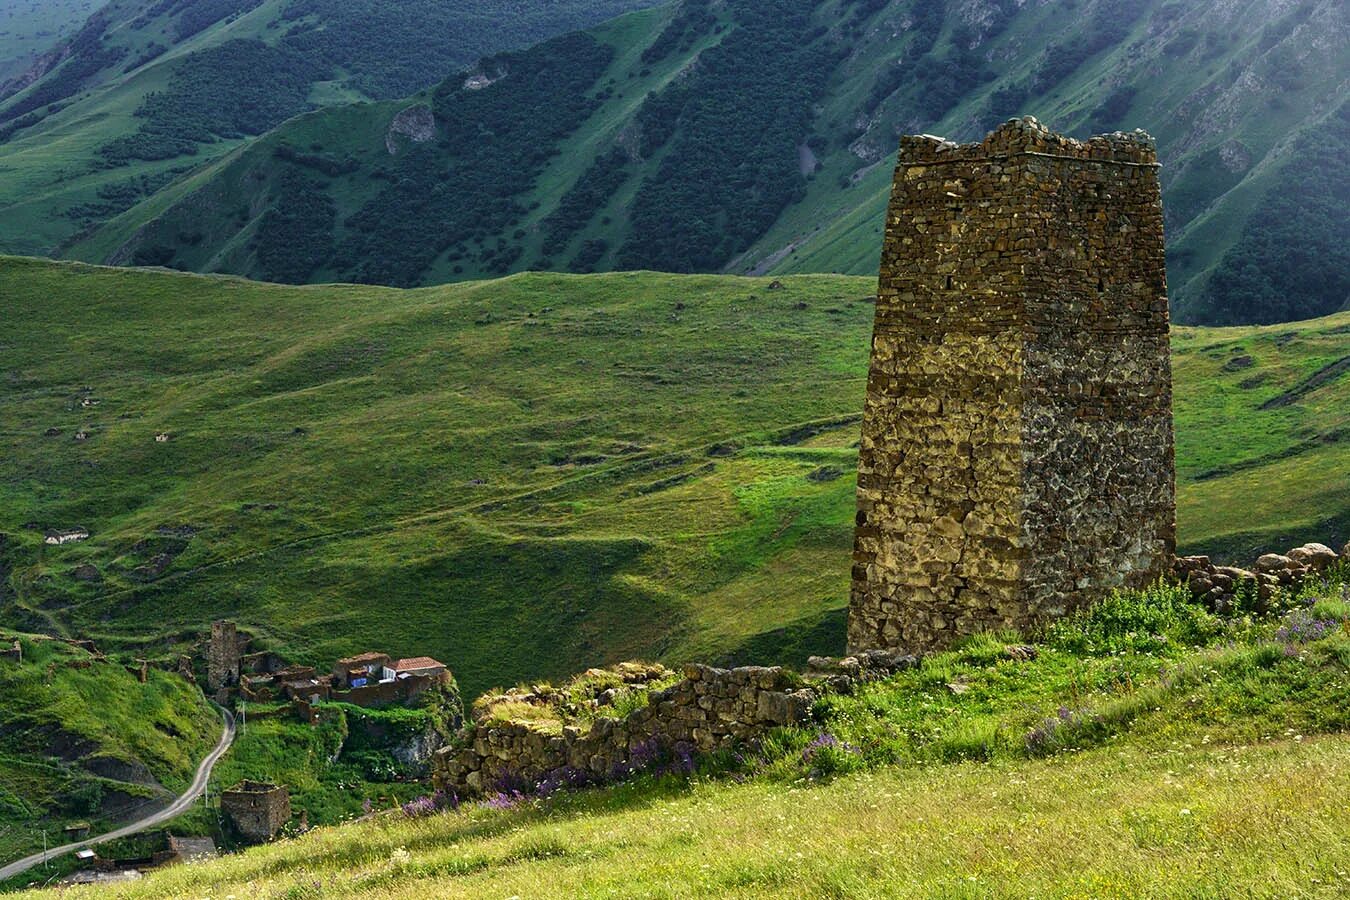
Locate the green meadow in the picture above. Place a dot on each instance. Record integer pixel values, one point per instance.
(1144, 748)
(522, 477)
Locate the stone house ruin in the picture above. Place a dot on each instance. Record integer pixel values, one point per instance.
(257, 810)
(360, 670)
(373, 679)
(66, 536)
(1017, 451)
(223, 654)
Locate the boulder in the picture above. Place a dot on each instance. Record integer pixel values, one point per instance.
(1274, 562)
(1317, 557)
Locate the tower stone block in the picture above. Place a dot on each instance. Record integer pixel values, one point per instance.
(1017, 451)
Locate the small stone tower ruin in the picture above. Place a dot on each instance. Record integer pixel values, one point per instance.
(1017, 452)
(222, 657)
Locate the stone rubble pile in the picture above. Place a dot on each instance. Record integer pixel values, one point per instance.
(1220, 586)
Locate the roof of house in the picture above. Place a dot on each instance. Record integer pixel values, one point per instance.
(417, 662)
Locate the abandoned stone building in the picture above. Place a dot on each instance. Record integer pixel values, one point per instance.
(1017, 450)
(257, 810)
(223, 654)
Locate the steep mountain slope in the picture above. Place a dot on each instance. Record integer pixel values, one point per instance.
(147, 89)
(29, 27)
(522, 477)
(757, 137)
(83, 739)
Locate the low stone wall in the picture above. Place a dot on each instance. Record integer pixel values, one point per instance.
(709, 709)
(1220, 586)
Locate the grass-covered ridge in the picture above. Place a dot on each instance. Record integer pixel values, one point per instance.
(1144, 748)
(81, 739)
(524, 477)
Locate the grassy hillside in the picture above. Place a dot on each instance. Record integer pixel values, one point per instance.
(523, 477)
(147, 90)
(757, 137)
(28, 27)
(81, 739)
(1147, 750)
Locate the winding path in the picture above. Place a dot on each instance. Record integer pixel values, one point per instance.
(186, 799)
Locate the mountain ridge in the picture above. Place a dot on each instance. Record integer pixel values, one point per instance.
(697, 155)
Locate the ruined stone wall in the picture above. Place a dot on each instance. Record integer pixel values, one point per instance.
(710, 708)
(1016, 458)
(258, 811)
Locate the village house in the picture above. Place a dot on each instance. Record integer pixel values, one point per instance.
(372, 679)
(360, 670)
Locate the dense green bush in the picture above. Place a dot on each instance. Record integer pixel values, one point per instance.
(1293, 260)
(442, 195)
(206, 99)
(580, 204)
(1136, 621)
(733, 125)
(295, 236)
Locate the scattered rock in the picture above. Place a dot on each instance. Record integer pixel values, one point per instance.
(776, 285)
(1020, 652)
(52, 432)
(416, 123)
(86, 572)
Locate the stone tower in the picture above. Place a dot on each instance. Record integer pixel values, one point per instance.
(222, 656)
(1017, 453)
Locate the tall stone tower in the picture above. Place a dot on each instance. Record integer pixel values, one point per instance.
(222, 656)
(1017, 451)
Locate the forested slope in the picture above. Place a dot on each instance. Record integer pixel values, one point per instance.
(758, 137)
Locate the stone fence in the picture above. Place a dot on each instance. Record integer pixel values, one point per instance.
(707, 710)
(1221, 587)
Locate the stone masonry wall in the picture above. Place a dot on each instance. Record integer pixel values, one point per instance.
(709, 709)
(1017, 454)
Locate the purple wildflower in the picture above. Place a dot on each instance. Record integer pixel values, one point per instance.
(824, 741)
(1302, 626)
(503, 800)
(418, 807)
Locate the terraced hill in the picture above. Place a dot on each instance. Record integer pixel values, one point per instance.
(755, 136)
(528, 476)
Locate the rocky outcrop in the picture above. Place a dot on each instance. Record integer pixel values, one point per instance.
(416, 123)
(1225, 588)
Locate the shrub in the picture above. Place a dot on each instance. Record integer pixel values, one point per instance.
(1160, 618)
